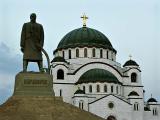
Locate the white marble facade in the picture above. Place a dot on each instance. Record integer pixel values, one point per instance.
(123, 100)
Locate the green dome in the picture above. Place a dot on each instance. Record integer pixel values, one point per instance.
(97, 75)
(79, 91)
(58, 59)
(85, 37)
(130, 63)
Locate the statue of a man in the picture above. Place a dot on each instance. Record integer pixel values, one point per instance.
(32, 39)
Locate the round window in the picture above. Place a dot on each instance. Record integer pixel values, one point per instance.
(110, 105)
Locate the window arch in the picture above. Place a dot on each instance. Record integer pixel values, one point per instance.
(90, 88)
(117, 90)
(133, 77)
(60, 92)
(105, 88)
(69, 54)
(98, 88)
(84, 89)
(112, 89)
(111, 118)
(93, 52)
(101, 53)
(136, 106)
(81, 104)
(60, 74)
(85, 52)
(63, 54)
(77, 52)
(107, 54)
(155, 112)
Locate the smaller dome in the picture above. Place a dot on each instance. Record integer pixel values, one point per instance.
(59, 59)
(97, 75)
(79, 91)
(133, 93)
(152, 100)
(130, 63)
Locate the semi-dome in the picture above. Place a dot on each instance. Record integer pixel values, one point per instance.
(133, 93)
(130, 63)
(59, 59)
(85, 37)
(97, 75)
(152, 100)
(79, 91)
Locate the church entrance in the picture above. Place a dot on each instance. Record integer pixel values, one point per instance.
(111, 118)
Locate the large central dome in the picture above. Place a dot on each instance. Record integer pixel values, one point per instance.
(85, 37)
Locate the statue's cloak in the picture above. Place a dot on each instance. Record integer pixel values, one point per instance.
(32, 39)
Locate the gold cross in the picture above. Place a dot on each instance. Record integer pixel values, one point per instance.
(84, 18)
(130, 56)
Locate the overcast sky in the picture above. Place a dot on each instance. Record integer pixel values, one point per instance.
(132, 26)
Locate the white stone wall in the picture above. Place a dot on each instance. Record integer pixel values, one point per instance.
(149, 114)
(137, 115)
(92, 66)
(81, 98)
(111, 54)
(121, 110)
(102, 92)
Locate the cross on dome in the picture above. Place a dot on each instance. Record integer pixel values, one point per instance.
(130, 56)
(84, 18)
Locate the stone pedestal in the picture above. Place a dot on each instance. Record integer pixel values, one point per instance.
(33, 84)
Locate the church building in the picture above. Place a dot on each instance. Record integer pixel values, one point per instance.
(87, 75)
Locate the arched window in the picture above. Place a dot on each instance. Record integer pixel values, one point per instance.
(101, 53)
(111, 89)
(134, 77)
(81, 104)
(69, 54)
(105, 88)
(117, 90)
(77, 52)
(111, 118)
(90, 88)
(85, 52)
(136, 106)
(60, 74)
(60, 92)
(155, 112)
(98, 88)
(107, 54)
(63, 54)
(93, 52)
(84, 89)
(112, 56)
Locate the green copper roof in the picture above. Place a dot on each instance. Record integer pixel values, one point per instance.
(152, 100)
(97, 75)
(130, 62)
(59, 59)
(133, 93)
(85, 37)
(79, 91)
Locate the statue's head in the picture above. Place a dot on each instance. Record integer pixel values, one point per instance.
(33, 17)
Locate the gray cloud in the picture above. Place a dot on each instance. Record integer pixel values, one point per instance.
(9, 62)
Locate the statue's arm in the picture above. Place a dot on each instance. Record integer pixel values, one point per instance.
(22, 43)
(42, 37)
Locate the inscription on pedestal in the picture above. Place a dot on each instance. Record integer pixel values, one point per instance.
(35, 82)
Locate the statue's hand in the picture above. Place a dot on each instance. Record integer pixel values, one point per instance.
(39, 47)
(22, 49)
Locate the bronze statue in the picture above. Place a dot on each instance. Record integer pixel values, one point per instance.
(32, 39)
